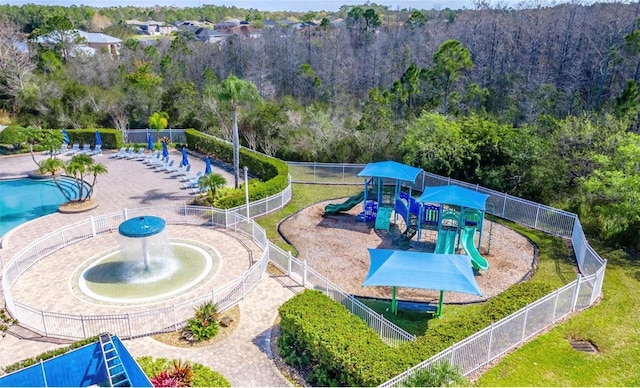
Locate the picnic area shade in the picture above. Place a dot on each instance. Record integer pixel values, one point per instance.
(185, 158)
(454, 195)
(422, 270)
(165, 150)
(98, 138)
(207, 165)
(391, 170)
(65, 136)
(149, 142)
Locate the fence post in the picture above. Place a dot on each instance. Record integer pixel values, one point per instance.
(576, 292)
(175, 318)
(129, 324)
(304, 273)
(535, 223)
(524, 325)
(314, 172)
(504, 205)
(84, 327)
(555, 305)
(490, 342)
(44, 323)
(93, 226)
(289, 264)
(124, 213)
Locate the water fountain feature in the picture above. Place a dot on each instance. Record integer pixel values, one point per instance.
(148, 266)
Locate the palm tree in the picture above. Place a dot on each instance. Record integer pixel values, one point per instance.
(235, 91)
(211, 183)
(53, 166)
(79, 167)
(158, 121)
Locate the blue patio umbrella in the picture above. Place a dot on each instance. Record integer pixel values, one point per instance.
(165, 150)
(98, 138)
(65, 136)
(149, 142)
(207, 166)
(185, 158)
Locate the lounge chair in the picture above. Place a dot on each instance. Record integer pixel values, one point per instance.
(192, 183)
(182, 171)
(159, 162)
(135, 155)
(96, 151)
(86, 148)
(165, 167)
(59, 151)
(191, 177)
(174, 169)
(122, 151)
(127, 154)
(155, 155)
(199, 190)
(74, 149)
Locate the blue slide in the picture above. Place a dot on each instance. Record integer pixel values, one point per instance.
(477, 261)
(446, 243)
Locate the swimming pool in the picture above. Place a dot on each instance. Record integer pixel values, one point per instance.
(23, 200)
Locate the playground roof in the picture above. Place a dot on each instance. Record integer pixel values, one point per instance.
(391, 170)
(421, 270)
(454, 195)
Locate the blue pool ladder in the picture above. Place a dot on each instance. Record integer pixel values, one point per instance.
(116, 372)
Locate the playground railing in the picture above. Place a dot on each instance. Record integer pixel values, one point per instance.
(494, 341)
(300, 272)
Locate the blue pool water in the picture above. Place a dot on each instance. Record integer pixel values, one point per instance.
(23, 200)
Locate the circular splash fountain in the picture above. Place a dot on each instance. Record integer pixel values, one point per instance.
(146, 267)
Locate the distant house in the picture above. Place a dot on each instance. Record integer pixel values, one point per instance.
(207, 35)
(152, 27)
(81, 42)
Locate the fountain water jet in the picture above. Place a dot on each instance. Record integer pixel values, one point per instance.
(147, 266)
(143, 227)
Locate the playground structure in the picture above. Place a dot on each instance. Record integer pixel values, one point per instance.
(455, 213)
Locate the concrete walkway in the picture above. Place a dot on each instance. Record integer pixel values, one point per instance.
(244, 357)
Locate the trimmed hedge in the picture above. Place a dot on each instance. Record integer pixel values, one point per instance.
(111, 138)
(342, 350)
(272, 174)
(340, 347)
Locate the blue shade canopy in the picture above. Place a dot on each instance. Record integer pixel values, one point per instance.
(98, 138)
(207, 165)
(149, 142)
(65, 136)
(143, 226)
(165, 150)
(454, 195)
(391, 170)
(422, 270)
(185, 158)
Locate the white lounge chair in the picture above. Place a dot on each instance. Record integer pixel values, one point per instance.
(182, 171)
(74, 149)
(126, 154)
(158, 162)
(165, 167)
(86, 148)
(191, 184)
(155, 155)
(199, 190)
(96, 151)
(135, 155)
(121, 152)
(191, 177)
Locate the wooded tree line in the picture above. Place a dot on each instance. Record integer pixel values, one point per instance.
(538, 102)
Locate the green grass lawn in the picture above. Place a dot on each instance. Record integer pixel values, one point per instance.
(613, 327)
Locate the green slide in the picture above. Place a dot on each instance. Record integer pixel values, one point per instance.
(477, 261)
(334, 208)
(446, 243)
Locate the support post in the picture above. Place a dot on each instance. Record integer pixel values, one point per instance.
(246, 189)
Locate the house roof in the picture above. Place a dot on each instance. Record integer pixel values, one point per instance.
(422, 270)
